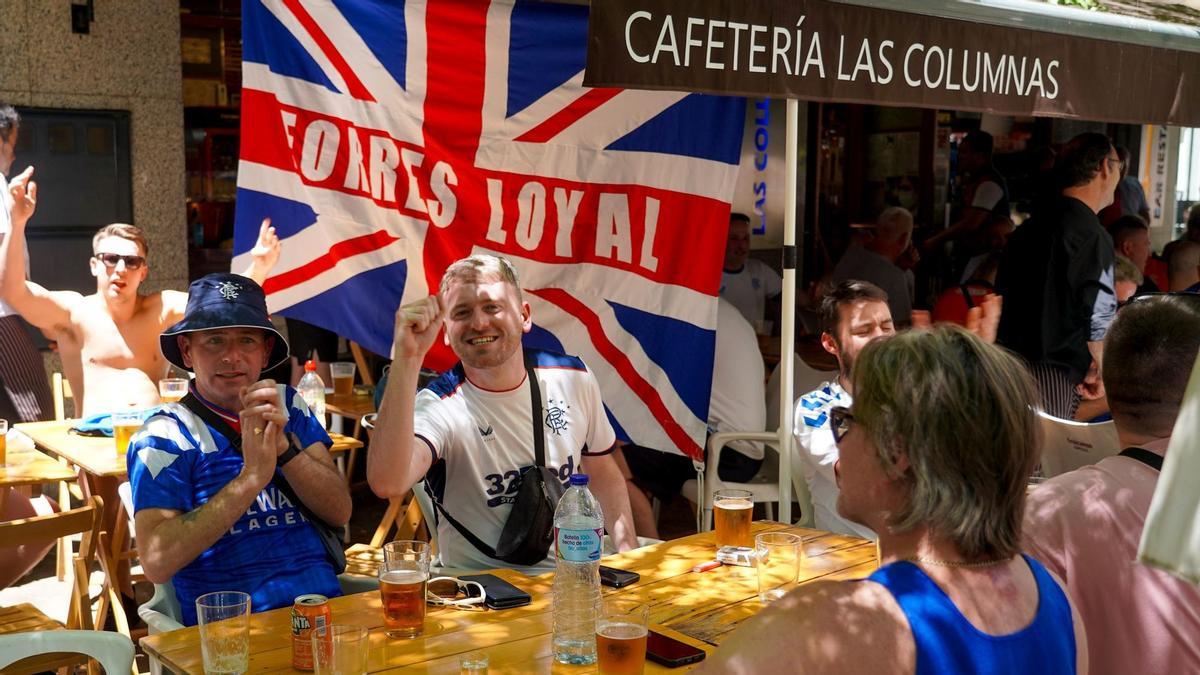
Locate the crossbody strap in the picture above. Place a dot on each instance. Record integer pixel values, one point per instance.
(212, 419)
(1144, 456)
(539, 457)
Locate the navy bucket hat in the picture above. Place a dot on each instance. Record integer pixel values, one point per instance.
(223, 300)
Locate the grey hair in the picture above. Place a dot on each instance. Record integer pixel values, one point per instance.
(893, 223)
(1127, 271)
(960, 410)
(479, 267)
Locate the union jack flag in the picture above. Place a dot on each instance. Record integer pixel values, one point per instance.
(386, 140)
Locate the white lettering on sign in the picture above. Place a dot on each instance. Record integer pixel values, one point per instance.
(722, 44)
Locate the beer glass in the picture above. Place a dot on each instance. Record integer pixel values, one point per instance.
(125, 424)
(339, 650)
(3, 442)
(621, 638)
(342, 373)
(224, 619)
(778, 556)
(172, 389)
(402, 579)
(732, 510)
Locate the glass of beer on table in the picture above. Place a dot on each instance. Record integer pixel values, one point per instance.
(342, 374)
(621, 637)
(3, 442)
(732, 511)
(402, 579)
(125, 424)
(172, 389)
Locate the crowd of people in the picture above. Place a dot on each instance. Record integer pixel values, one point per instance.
(924, 439)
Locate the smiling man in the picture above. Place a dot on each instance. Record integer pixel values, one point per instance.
(213, 516)
(107, 339)
(469, 434)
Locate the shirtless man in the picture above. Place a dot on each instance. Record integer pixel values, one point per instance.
(109, 339)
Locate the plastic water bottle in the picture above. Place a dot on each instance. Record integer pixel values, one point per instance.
(312, 390)
(578, 531)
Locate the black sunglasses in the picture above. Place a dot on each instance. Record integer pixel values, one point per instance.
(132, 262)
(839, 422)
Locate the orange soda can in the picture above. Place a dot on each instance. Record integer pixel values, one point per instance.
(308, 612)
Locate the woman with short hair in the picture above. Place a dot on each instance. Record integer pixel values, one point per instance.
(935, 456)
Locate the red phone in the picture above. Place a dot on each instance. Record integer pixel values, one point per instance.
(671, 652)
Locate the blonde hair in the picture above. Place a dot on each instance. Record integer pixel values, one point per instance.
(960, 410)
(122, 231)
(479, 267)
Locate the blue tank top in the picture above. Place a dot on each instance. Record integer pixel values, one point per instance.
(948, 643)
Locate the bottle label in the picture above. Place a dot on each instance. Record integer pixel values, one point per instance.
(578, 545)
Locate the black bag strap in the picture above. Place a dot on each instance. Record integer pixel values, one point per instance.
(539, 458)
(212, 419)
(1144, 456)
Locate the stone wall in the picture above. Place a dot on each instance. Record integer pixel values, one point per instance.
(129, 61)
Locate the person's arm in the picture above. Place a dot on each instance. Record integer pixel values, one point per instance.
(312, 473)
(824, 626)
(608, 484)
(265, 253)
(167, 539)
(397, 460)
(42, 308)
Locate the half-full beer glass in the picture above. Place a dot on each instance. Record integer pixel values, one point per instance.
(732, 510)
(621, 638)
(402, 579)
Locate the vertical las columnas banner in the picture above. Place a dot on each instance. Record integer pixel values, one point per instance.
(386, 140)
(829, 51)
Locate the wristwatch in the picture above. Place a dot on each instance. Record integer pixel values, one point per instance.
(287, 455)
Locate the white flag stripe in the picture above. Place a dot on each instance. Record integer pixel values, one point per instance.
(397, 121)
(495, 75)
(339, 273)
(625, 288)
(415, 57)
(370, 72)
(617, 117)
(290, 22)
(629, 409)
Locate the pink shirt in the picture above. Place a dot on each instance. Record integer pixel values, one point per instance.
(1085, 527)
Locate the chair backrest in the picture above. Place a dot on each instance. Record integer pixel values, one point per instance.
(84, 520)
(60, 389)
(113, 650)
(364, 367)
(1068, 445)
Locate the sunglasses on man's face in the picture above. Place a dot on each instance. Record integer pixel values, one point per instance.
(839, 422)
(110, 260)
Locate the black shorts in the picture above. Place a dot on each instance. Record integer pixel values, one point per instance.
(305, 338)
(663, 474)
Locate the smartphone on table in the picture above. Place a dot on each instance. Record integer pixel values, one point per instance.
(670, 652)
(615, 578)
(498, 593)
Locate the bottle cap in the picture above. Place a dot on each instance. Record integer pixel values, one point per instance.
(579, 479)
(310, 366)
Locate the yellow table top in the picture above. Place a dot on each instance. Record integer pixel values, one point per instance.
(98, 455)
(698, 608)
(30, 467)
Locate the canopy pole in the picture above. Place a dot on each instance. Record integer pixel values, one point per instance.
(787, 338)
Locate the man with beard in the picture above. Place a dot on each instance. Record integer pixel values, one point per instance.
(469, 433)
(853, 314)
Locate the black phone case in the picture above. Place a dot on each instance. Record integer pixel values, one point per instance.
(615, 578)
(498, 593)
(664, 660)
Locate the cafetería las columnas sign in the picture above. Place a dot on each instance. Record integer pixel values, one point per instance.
(830, 51)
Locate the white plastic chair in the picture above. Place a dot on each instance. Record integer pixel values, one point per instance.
(113, 650)
(1068, 445)
(764, 487)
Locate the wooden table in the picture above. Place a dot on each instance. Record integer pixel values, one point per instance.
(700, 609)
(351, 407)
(24, 468)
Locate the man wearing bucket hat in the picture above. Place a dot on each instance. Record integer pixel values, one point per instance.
(210, 515)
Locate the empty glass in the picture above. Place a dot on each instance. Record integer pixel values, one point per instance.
(339, 649)
(778, 555)
(224, 619)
